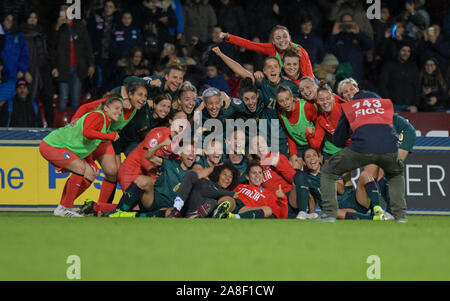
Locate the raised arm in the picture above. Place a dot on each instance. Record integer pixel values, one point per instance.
(264, 48)
(235, 66)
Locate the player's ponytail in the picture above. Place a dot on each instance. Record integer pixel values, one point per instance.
(323, 86)
(113, 97)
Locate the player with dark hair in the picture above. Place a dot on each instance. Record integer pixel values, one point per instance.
(256, 200)
(367, 120)
(197, 197)
(69, 148)
(149, 117)
(267, 83)
(278, 172)
(291, 66)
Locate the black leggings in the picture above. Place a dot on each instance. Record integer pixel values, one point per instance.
(196, 192)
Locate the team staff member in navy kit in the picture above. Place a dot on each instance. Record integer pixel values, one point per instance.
(368, 121)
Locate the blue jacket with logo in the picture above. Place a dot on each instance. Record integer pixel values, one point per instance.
(123, 38)
(15, 54)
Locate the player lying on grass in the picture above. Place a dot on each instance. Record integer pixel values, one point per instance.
(353, 203)
(162, 194)
(137, 174)
(70, 148)
(254, 199)
(198, 197)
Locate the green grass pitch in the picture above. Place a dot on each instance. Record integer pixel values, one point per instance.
(35, 246)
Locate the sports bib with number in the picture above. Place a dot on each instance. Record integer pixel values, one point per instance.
(368, 111)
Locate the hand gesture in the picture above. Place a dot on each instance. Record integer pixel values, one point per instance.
(226, 99)
(217, 50)
(156, 83)
(355, 28)
(259, 76)
(296, 162)
(279, 193)
(116, 137)
(224, 35)
(336, 28)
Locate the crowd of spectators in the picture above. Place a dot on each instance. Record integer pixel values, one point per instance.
(51, 64)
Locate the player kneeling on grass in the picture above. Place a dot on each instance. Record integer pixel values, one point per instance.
(161, 195)
(353, 204)
(198, 197)
(254, 200)
(137, 173)
(69, 149)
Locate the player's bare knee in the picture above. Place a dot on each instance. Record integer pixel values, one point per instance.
(143, 182)
(365, 177)
(110, 172)
(267, 211)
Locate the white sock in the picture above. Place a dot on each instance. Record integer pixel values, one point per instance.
(178, 203)
(237, 216)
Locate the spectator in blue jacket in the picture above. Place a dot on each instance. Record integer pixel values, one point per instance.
(349, 44)
(178, 9)
(125, 37)
(7, 92)
(15, 54)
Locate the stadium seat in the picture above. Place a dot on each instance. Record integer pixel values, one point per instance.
(62, 117)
